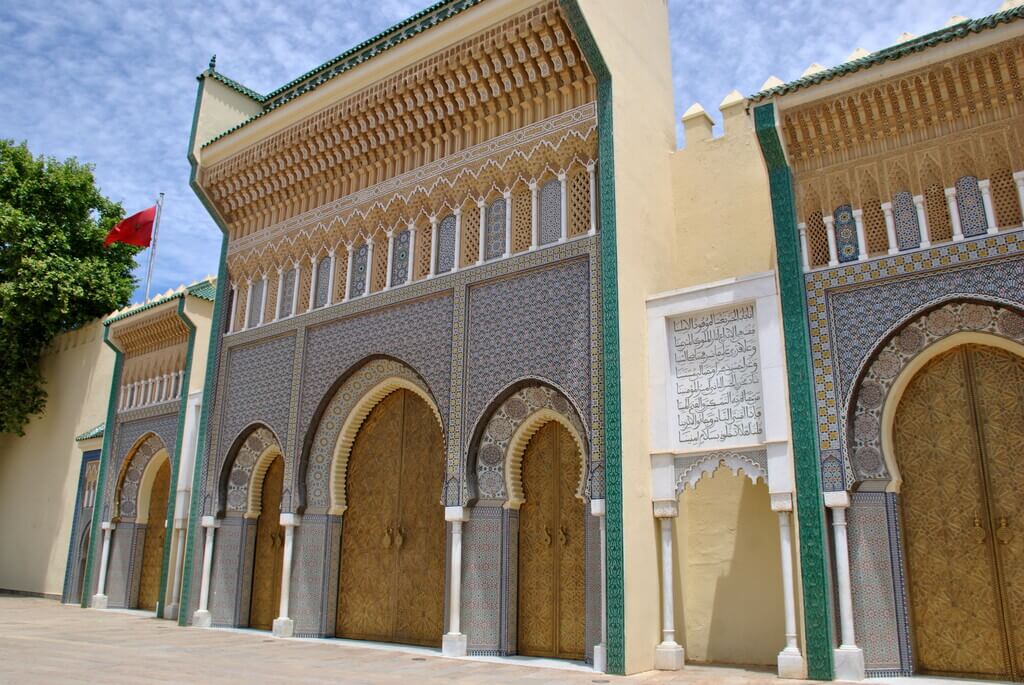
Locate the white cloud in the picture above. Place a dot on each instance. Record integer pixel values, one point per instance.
(113, 82)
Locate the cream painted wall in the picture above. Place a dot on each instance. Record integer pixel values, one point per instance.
(633, 39)
(200, 313)
(39, 472)
(727, 572)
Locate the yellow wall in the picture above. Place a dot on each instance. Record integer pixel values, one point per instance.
(727, 572)
(39, 472)
(633, 39)
(200, 313)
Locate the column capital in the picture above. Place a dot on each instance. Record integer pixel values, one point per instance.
(666, 508)
(456, 514)
(984, 183)
(457, 211)
(597, 507)
(918, 200)
(561, 175)
(290, 520)
(507, 194)
(782, 501)
(209, 522)
(108, 525)
(828, 220)
(858, 213)
(886, 207)
(802, 227)
(591, 165)
(839, 499)
(950, 192)
(532, 184)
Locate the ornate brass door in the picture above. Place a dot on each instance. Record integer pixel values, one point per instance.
(551, 604)
(958, 430)
(391, 583)
(268, 563)
(153, 544)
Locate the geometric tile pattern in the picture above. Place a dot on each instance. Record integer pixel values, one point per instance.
(550, 212)
(846, 234)
(973, 221)
(400, 258)
(494, 238)
(904, 212)
(445, 245)
(323, 282)
(863, 304)
(236, 498)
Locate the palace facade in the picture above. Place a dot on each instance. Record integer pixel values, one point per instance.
(493, 367)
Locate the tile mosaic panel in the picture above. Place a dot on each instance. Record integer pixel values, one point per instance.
(400, 258)
(494, 234)
(971, 207)
(286, 299)
(445, 245)
(846, 234)
(357, 279)
(482, 576)
(255, 300)
(550, 212)
(323, 282)
(312, 575)
(904, 214)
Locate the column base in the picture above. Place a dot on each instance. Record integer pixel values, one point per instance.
(202, 619)
(453, 644)
(849, 663)
(601, 658)
(791, 664)
(669, 656)
(98, 602)
(284, 627)
(171, 612)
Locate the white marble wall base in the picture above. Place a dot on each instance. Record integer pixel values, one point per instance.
(453, 644)
(600, 658)
(284, 627)
(99, 602)
(202, 619)
(791, 664)
(849, 663)
(171, 612)
(669, 656)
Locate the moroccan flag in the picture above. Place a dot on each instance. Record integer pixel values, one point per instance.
(135, 230)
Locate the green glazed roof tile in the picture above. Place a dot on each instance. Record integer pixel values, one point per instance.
(94, 432)
(890, 54)
(205, 289)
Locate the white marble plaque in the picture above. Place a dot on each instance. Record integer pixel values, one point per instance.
(717, 381)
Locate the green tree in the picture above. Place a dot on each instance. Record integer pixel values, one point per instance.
(55, 273)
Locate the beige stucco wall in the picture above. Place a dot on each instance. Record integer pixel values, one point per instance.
(727, 572)
(39, 472)
(633, 39)
(200, 313)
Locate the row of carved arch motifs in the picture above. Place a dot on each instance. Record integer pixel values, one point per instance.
(865, 438)
(298, 249)
(444, 193)
(131, 480)
(240, 477)
(551, 152)
(689, 470)
(501, 427)
(325, 440)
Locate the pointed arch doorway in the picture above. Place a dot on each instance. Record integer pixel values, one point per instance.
(551, 606)
(391, 582)
(958, 434)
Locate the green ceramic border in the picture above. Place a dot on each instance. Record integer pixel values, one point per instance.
(614, 588)
(810, 505)
(108, 436)
(210, 380)
(172, 501)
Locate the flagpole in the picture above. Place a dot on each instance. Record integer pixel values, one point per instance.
(152, 247)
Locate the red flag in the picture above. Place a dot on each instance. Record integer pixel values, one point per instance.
(135, 230)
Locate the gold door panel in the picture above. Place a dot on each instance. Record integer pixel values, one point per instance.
(551, 603)
(955, 588)
(366, 593)
(269, 558)
(153, 544)
(999, 397)
(420, 535)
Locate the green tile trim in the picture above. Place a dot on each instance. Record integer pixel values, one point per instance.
(210, 380)
(614, 564)
(94, 432)
(204, 290)
(115, 382)
(809, 503)
(172, 499)
(890, 54)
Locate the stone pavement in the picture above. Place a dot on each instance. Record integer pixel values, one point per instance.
(42, 641)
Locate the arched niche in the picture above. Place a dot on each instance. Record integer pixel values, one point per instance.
(132, 478)
(885, 376)
(324, 466)
(689, 471)
(241, 482)
(504, 431)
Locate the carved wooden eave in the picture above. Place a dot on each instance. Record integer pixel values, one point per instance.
(153, 329)
(519, 71)
(944, 97)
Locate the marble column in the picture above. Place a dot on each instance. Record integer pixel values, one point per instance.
(985, 186)
(830, 230)
(890, 228)
(350, 248)
(669, 655)
(534, 217)
(201, 618)
(177, 557)
(954, 215)
(99, 600)
(453, 643)
(597, 508)
(922, 221)
(1018, 178)
(283, 625)
(805, 256)
(564, 221)
(391, 257)
(790, 660)
(848, 658)
(433, 247)
(593, 198)
(862, 239)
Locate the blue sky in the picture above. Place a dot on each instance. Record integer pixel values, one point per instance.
(113, 83)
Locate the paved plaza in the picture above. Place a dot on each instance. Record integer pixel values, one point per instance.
(42, 641)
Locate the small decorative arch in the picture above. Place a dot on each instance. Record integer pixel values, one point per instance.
(502, 439)
(690, 470)
(130, 478)
(241, 485)
(885, 377)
